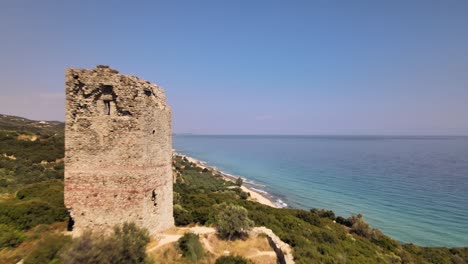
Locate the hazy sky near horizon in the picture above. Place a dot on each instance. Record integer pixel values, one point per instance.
(252, 67)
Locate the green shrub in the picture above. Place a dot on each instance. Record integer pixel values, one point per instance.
(27, 214)
(326, 214)
(239, 181)
(384, 242)
(326, 237)
(182, 216)
(37, 203)
(10, 237)
(360, 227)
(190, 246)
(244, 195)
(48, 249)
(48, 191)
(344, 221)
(232, 220)
(309, 217)
(130, 241)
(88, 248)
(232, 260)
(126, 245)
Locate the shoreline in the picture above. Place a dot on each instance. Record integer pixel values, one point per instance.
(255, 196)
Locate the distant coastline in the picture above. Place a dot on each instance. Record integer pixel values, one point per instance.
(256, 195)
(393, 181)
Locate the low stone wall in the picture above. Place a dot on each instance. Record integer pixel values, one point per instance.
(283, 250)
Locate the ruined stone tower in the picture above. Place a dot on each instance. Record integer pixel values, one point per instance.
(118, 150)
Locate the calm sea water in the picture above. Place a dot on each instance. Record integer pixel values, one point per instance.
(415, 189)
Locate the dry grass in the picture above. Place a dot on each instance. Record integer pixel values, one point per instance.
(240, 247)
(13, 255)
(25, 137)
(263, 259)
(170, 255)
(4, 197)
(256, 249)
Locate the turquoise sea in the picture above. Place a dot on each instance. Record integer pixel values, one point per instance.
(415, 189)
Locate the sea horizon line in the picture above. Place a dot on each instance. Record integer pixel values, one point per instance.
(323, 135)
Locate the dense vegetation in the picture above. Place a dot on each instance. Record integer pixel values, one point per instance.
(31, 181)
(30, 152)
(126, 245)
(191, 248)
(33, 217)
(315, 235)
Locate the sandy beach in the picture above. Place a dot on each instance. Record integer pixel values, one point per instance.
(254, 196)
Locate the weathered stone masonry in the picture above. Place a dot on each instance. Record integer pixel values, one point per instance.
(118, 150)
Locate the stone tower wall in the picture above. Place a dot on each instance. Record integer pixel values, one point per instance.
(118, 150)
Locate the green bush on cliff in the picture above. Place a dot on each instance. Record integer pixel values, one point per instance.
(324, 213)
(239, 181)
(191, 248)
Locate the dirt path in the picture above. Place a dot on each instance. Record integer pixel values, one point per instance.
(263, 253)
(164, 239)
(207, 246)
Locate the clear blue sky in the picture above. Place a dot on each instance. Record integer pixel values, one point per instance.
(252, 67)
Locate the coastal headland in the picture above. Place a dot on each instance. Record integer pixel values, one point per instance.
(254, 195)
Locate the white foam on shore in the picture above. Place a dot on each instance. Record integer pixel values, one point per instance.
(253, 183)
(258, 190)
(280, 203)
(228, 174)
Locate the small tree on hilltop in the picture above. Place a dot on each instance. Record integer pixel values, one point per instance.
(232, 220)
(239, 182)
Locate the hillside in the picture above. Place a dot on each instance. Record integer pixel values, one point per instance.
(32, 211)
(25, 125)
(31, 184)
(315, 235)
(30, 152)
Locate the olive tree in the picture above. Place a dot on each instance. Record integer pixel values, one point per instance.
(232, 220)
